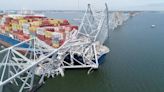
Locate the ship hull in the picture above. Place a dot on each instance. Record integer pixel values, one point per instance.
(8, 41)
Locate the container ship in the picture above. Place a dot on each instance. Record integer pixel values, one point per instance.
(46, 47)
(15, 28)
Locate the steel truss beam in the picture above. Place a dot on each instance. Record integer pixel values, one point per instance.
(21, 62)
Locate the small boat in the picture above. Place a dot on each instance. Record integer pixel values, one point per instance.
(152, 26)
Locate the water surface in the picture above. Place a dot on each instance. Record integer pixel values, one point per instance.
(135, 63)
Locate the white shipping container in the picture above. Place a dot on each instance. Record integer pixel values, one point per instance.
(26, 31)
(56, 28)
(26, 25)
(14, 28)
(68, 29)
(40, 31)
(57, 35)
(73, 33)
(3, 20)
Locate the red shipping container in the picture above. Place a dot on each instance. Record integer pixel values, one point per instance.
(20, 36)
(46, 38)
(23, 39)
(65, 22)
(49, 42)
(41, 37)
(68, 28)
(45, 21)
(26, 36)
(50, 29)
(3, 27)
(62, 42)
(75, 27)
(20, 32)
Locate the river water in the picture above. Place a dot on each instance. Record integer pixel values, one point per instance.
(135, 63)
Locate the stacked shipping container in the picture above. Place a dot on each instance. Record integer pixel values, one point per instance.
(54, 32)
